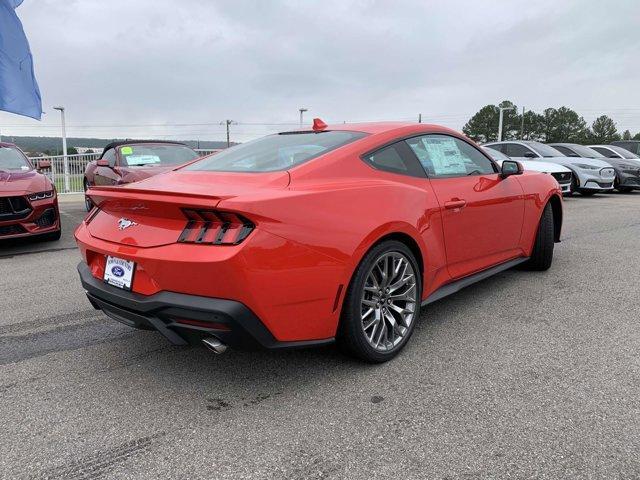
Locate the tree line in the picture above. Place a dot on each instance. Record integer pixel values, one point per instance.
(552, 125)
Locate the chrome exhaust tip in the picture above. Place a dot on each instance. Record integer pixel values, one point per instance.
(215, 345)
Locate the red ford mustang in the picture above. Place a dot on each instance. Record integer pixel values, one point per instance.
(302, 238)
(28, 200)
(133, 160)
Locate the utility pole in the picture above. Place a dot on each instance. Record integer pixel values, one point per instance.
(302, 110)
(64, 149)
(419, 118)
(522, 126)
(228, 123)
(502, 109)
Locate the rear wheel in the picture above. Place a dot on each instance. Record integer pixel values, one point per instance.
(542, 254)
(382, 304)
(88, 204)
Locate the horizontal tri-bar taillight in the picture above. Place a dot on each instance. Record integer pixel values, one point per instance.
(213, 227)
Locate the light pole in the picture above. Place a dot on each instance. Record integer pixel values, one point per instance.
(502, 109)
(302, 110)
(65, 159)
(228, 123)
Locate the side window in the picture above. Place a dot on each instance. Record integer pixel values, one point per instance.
(395, 158)
(498, 146)
(566, 151)
(515, 150)
(110, 155)
(445, 156)
(606, 152)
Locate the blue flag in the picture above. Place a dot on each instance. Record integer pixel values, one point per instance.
(19, 92)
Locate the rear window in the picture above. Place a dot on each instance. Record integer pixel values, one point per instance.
(275, 152)
(155, 155)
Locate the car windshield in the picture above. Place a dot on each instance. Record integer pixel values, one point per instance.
(586, 152)
(623, 151)
(545, 150)
(275, 152)
(11, 159)
(495, 154)
(156, 155)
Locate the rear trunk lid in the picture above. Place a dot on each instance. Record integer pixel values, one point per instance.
(151, 212)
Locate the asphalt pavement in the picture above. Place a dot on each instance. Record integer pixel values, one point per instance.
(525, 375)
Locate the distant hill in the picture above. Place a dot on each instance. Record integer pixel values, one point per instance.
(53, 145)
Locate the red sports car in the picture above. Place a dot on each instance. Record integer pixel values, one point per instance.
(302, 238)
(133, 160)
(28, 199)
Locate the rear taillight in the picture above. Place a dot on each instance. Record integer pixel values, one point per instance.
(212, 227)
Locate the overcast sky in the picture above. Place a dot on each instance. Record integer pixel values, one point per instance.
(175, 69)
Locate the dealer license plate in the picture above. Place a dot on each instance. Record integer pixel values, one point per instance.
(119, 272)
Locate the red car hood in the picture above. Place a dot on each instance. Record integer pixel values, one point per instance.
(20, 183)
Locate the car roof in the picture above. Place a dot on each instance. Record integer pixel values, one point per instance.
(564, 144)
(375, 128)
(7, 144)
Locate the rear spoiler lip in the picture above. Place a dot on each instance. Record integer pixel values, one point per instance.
(100, 194)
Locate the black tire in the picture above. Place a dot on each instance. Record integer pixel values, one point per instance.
(542, 254)
(624, 189)
(88, 204)
(588, 193)
(351, 338)
(574, 184)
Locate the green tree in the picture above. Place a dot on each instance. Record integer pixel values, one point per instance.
(72, 151)
(636, 136)
(534, 126)
(483, 125)
(626, 135)
(564, 125)
(604, 130)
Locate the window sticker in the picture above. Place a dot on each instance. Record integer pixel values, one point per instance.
(136, 160)
(126, 150)
(445, 156)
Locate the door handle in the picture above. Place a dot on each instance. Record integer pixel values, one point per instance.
(455, 203)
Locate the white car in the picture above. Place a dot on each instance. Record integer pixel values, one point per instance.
(562, 174)
(590, 175)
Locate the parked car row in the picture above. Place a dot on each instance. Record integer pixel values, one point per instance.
(593, 169)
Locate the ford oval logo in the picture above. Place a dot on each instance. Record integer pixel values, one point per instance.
(117, 271)
(125, 223)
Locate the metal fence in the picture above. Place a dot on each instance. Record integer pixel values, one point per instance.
(68, 176)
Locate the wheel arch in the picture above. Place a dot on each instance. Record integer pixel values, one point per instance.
(556, 208)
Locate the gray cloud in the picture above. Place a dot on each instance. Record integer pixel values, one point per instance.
(122, 66)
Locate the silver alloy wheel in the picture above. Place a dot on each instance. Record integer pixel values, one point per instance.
(388, 305)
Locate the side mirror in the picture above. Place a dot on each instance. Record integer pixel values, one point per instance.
(103, 163)
(43, 164)
(511, 167)
(529, 155)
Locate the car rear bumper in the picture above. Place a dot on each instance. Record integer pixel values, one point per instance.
(185, 319)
